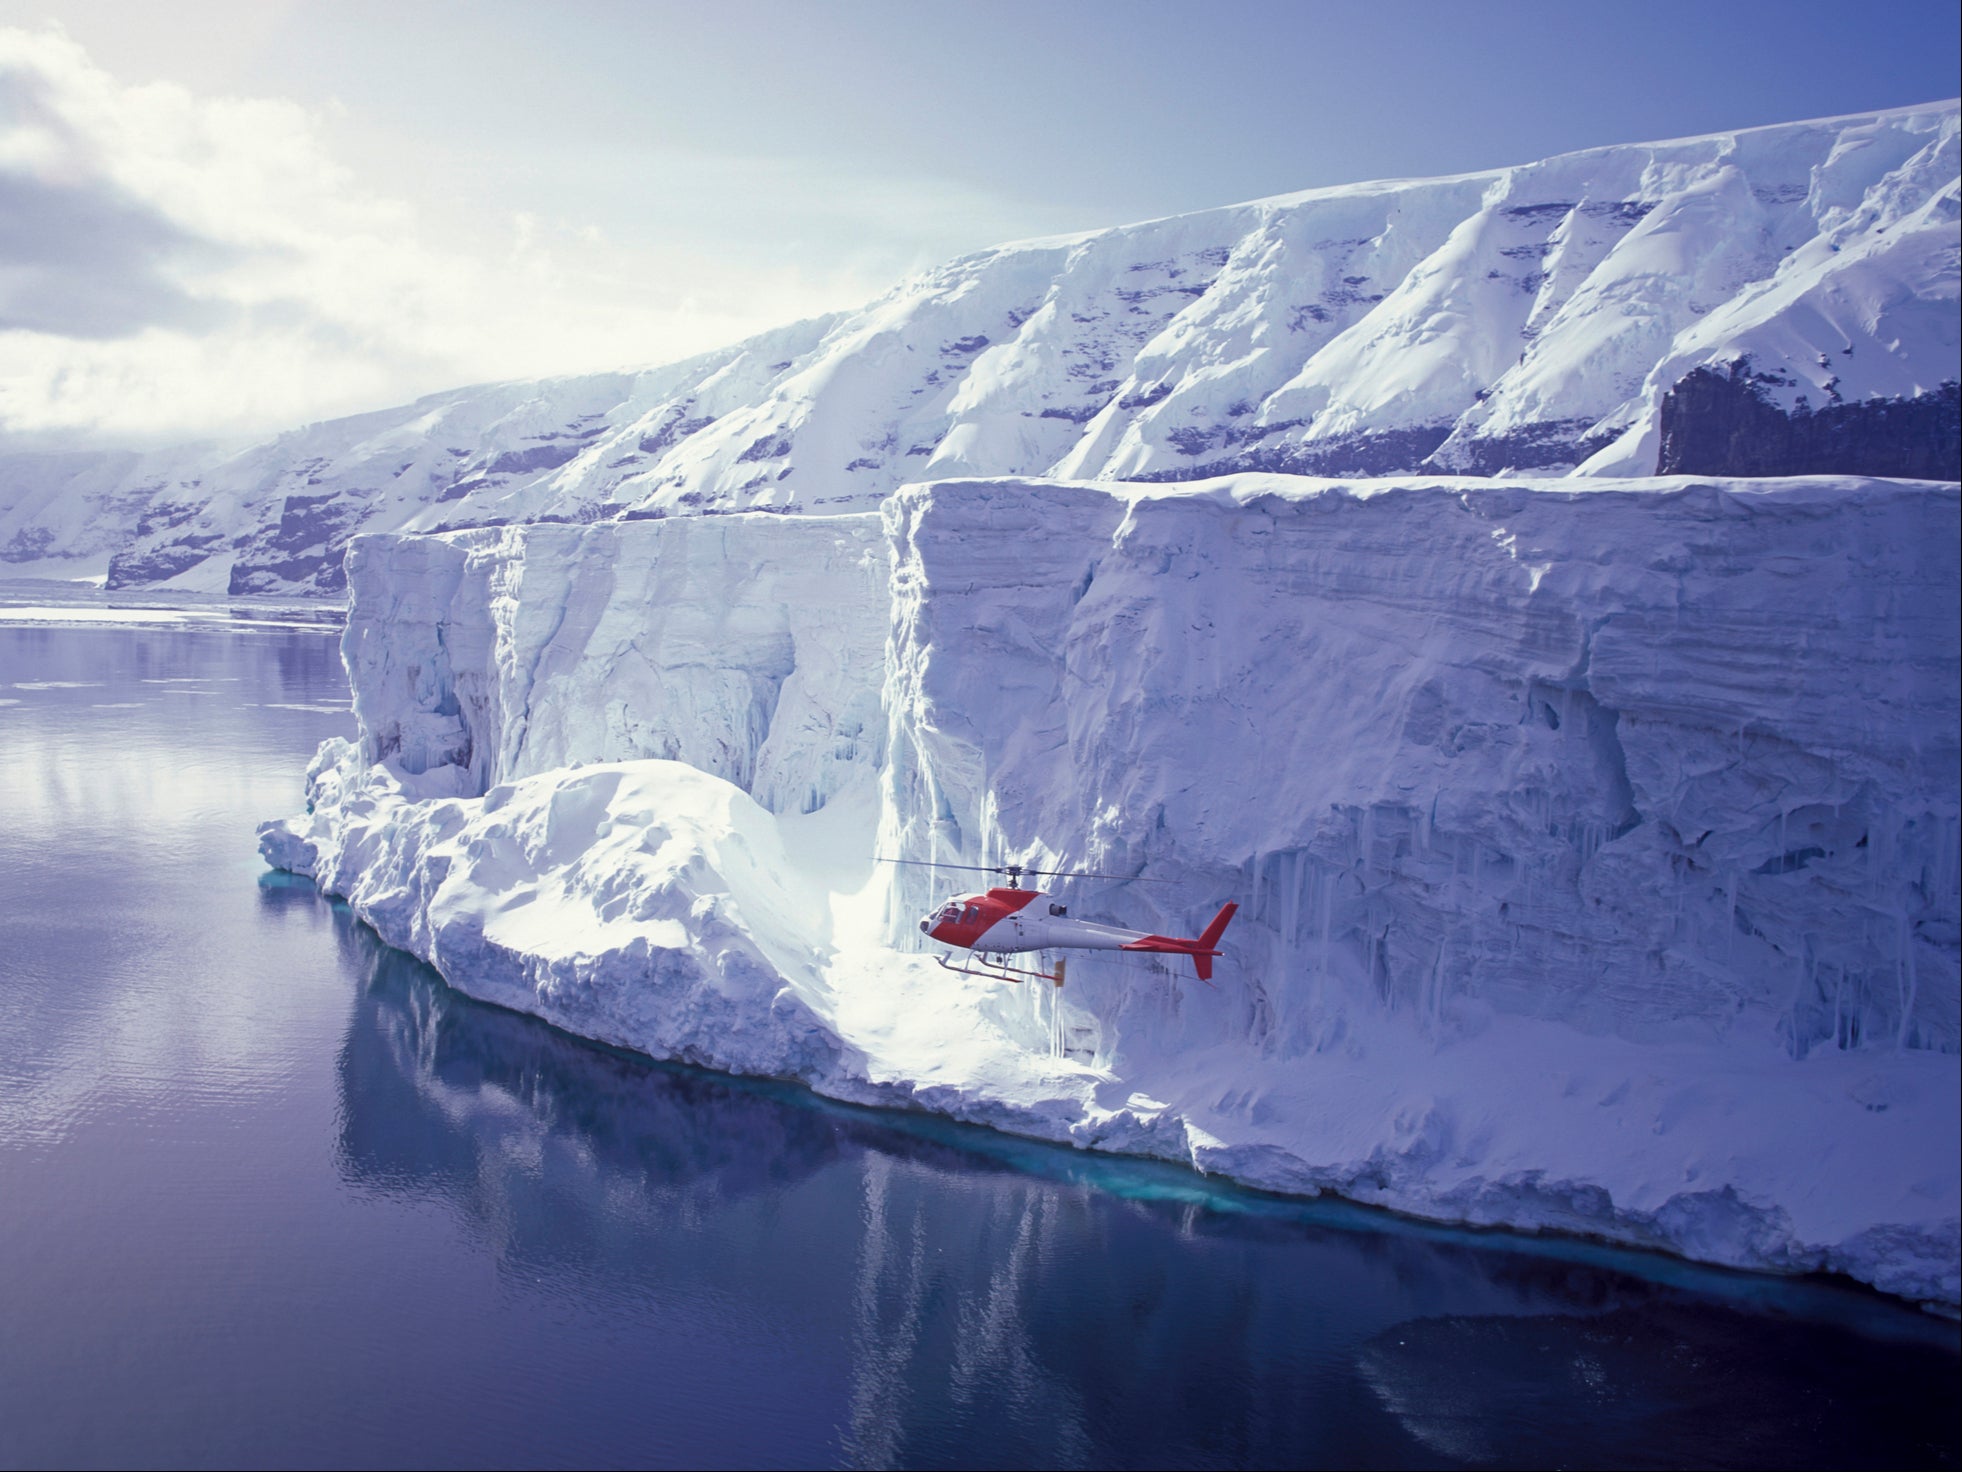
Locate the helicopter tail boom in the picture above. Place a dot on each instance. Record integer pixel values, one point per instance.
(1202, 949)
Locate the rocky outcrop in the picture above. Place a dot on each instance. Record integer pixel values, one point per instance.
(1722, 421)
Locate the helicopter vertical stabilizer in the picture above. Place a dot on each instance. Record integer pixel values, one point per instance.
(1202, 949)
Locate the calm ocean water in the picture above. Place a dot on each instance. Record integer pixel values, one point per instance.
(271, 1194)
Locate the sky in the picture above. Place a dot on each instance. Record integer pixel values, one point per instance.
(226, 217)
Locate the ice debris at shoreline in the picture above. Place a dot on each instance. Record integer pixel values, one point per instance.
(1599, 849)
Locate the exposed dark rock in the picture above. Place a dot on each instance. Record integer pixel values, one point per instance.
(1137, 298)
(1074, 413)
(456, 490)
(770, 447)
(535, 458)
(320, 573)
(28, 545)
(132, 568)
(1539, 214)
(673, 433)
(306, 520)
(1718, 422)
(1391, 452)
(163, 516)
(1552, 443)
(304, 550)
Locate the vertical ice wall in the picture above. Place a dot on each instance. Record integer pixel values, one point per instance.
(1644, 759)
(747, 646)
(1597, 849)
(1654, 759)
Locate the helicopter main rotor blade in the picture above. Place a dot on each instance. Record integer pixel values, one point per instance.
(1086, 874)
(1019, 869)
(937, 864)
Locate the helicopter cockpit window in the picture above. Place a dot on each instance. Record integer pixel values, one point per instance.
(973, 913)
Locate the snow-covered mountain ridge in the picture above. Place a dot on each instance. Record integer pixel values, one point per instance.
(1597, 840)
(1773, 301)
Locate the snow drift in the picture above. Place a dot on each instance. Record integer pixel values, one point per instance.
(1597, 841)
(1774, 301)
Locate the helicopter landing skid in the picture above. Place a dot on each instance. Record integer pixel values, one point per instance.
(999, 970)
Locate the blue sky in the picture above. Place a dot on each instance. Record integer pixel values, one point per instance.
(282, 210)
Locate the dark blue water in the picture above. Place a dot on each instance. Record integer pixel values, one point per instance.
(270, 1194)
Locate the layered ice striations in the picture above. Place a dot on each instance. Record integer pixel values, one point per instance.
(1573, 313)
(1656, 760)
(1596, 841)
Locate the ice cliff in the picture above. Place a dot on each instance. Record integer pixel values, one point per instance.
(751, 649)
(1775, 301)
(1597, 839)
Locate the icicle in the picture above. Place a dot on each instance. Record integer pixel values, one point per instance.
(1912, 993)
(1730, 916)
(1328, 917)
(1290, 917)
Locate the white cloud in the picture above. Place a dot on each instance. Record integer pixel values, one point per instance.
(174, 265)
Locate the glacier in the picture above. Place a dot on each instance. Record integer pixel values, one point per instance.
(1771, 301)
(1596, 837)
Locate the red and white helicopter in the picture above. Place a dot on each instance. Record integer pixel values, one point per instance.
(1010, 920)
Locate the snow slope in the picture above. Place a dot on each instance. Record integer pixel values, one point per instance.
(1534, 317)
(1597, 841)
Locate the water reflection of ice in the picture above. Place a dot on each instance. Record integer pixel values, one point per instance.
(987, 1300)
(1669, 1384)
(261, 1196)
